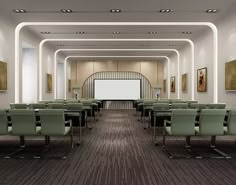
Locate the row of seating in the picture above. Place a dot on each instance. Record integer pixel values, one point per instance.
(211, 123)
(23, 123)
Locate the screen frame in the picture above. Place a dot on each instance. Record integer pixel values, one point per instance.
(140, 90)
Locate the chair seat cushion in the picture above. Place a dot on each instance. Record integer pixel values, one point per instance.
(168, 130)
(67, 130)
(197, 130)
(225, 130)
(9, 130)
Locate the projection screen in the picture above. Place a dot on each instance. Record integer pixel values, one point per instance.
(117, 89)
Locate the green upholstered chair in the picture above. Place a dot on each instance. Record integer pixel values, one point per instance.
(18, 106)
(4, 129)
(23, 123)
(53, 124)
(56, 106)
(216, 106)
(182, 124)
(231, 124)
(198, 106)
(164, 101)
(37, 106)
(59, 101)
(211, 123)
(160, 106)
(75, 106)
(72, 101)
(179, 106)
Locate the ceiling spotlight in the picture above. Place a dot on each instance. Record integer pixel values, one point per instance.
(172, 44)
(45, 32)
(145, 44)
(211, 11)
(115, 44)
(60, 45)
(66, 10)
(19, 11)
(165, 10)
(152, 32)
(116, 32)
(115, 10)
(186, 32)
(80, 32)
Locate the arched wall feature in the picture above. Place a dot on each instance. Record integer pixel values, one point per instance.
(162, 40)
(88, 86)
(68, 57)
(23, 24)
(173, 50)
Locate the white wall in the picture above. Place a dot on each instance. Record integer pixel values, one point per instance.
(7, 55)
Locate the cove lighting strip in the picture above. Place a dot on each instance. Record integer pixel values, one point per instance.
(57, 51)
(24, 24)
(68, 57)
(162, 40)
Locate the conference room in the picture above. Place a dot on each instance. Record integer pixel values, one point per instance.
(126, 92)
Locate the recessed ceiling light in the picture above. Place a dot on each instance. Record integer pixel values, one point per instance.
(115, 10)
(165, 10)
(152, 32)
(115, 44)
(187, 32)
(66, 10)
(116, 32)
(146, 44)
(80, 32)
(211, 11)
(19, 11)
(172, 44)
(45, 32)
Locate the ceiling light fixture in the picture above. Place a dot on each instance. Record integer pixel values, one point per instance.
(45, 32)
(115, 10)
(211, 11)
(146, 45)
(66, 10)
(19, 11)
(165, 10)
(116, 32)
(152, 32)
(80, 32)
(186, 32)
(172, 45)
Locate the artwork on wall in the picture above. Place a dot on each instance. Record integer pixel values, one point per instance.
(202, 80)
(172, 84)
(164, 85)
(49, 83)
(184, 82)
(3, 76)
(230, 76)
(69, 85)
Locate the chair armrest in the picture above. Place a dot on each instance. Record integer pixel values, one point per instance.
(70, 122)
(166, 121)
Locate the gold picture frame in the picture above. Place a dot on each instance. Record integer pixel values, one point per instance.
(202, 80)
(49, 83)
(3, 76)
(230, 76)
(172, 84)
(184, 82)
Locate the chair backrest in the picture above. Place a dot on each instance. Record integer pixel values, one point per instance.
(45, 101)
(232, 122)
(56, 106)
(75, 106)
(37, 106)
(72, 101)
(183, 121)
(216, 106)
(179, 106)
(86, 102)
(211, 122)
(149, 102)
(198, 106)
(160, 106)
(59, 101)
(52, 122)
(164, 101)
(18, 106)
(23, 122)
(3, 123)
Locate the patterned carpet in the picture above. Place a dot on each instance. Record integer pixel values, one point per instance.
(117, 151)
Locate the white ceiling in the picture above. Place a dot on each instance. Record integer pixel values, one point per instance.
(131, 11)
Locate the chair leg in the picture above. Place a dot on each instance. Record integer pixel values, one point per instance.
(22, 141)
(219, 152)
(71, 141)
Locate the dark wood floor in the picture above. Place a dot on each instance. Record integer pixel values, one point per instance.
(117, 151)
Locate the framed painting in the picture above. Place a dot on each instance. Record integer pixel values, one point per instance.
(3, 76)
(230, 76)
(49, 83)
(202, 80)
(184, 82)
(69, 85)
(172, 84)
(164, 85)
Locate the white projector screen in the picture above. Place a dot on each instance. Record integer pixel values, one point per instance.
(117, 89)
